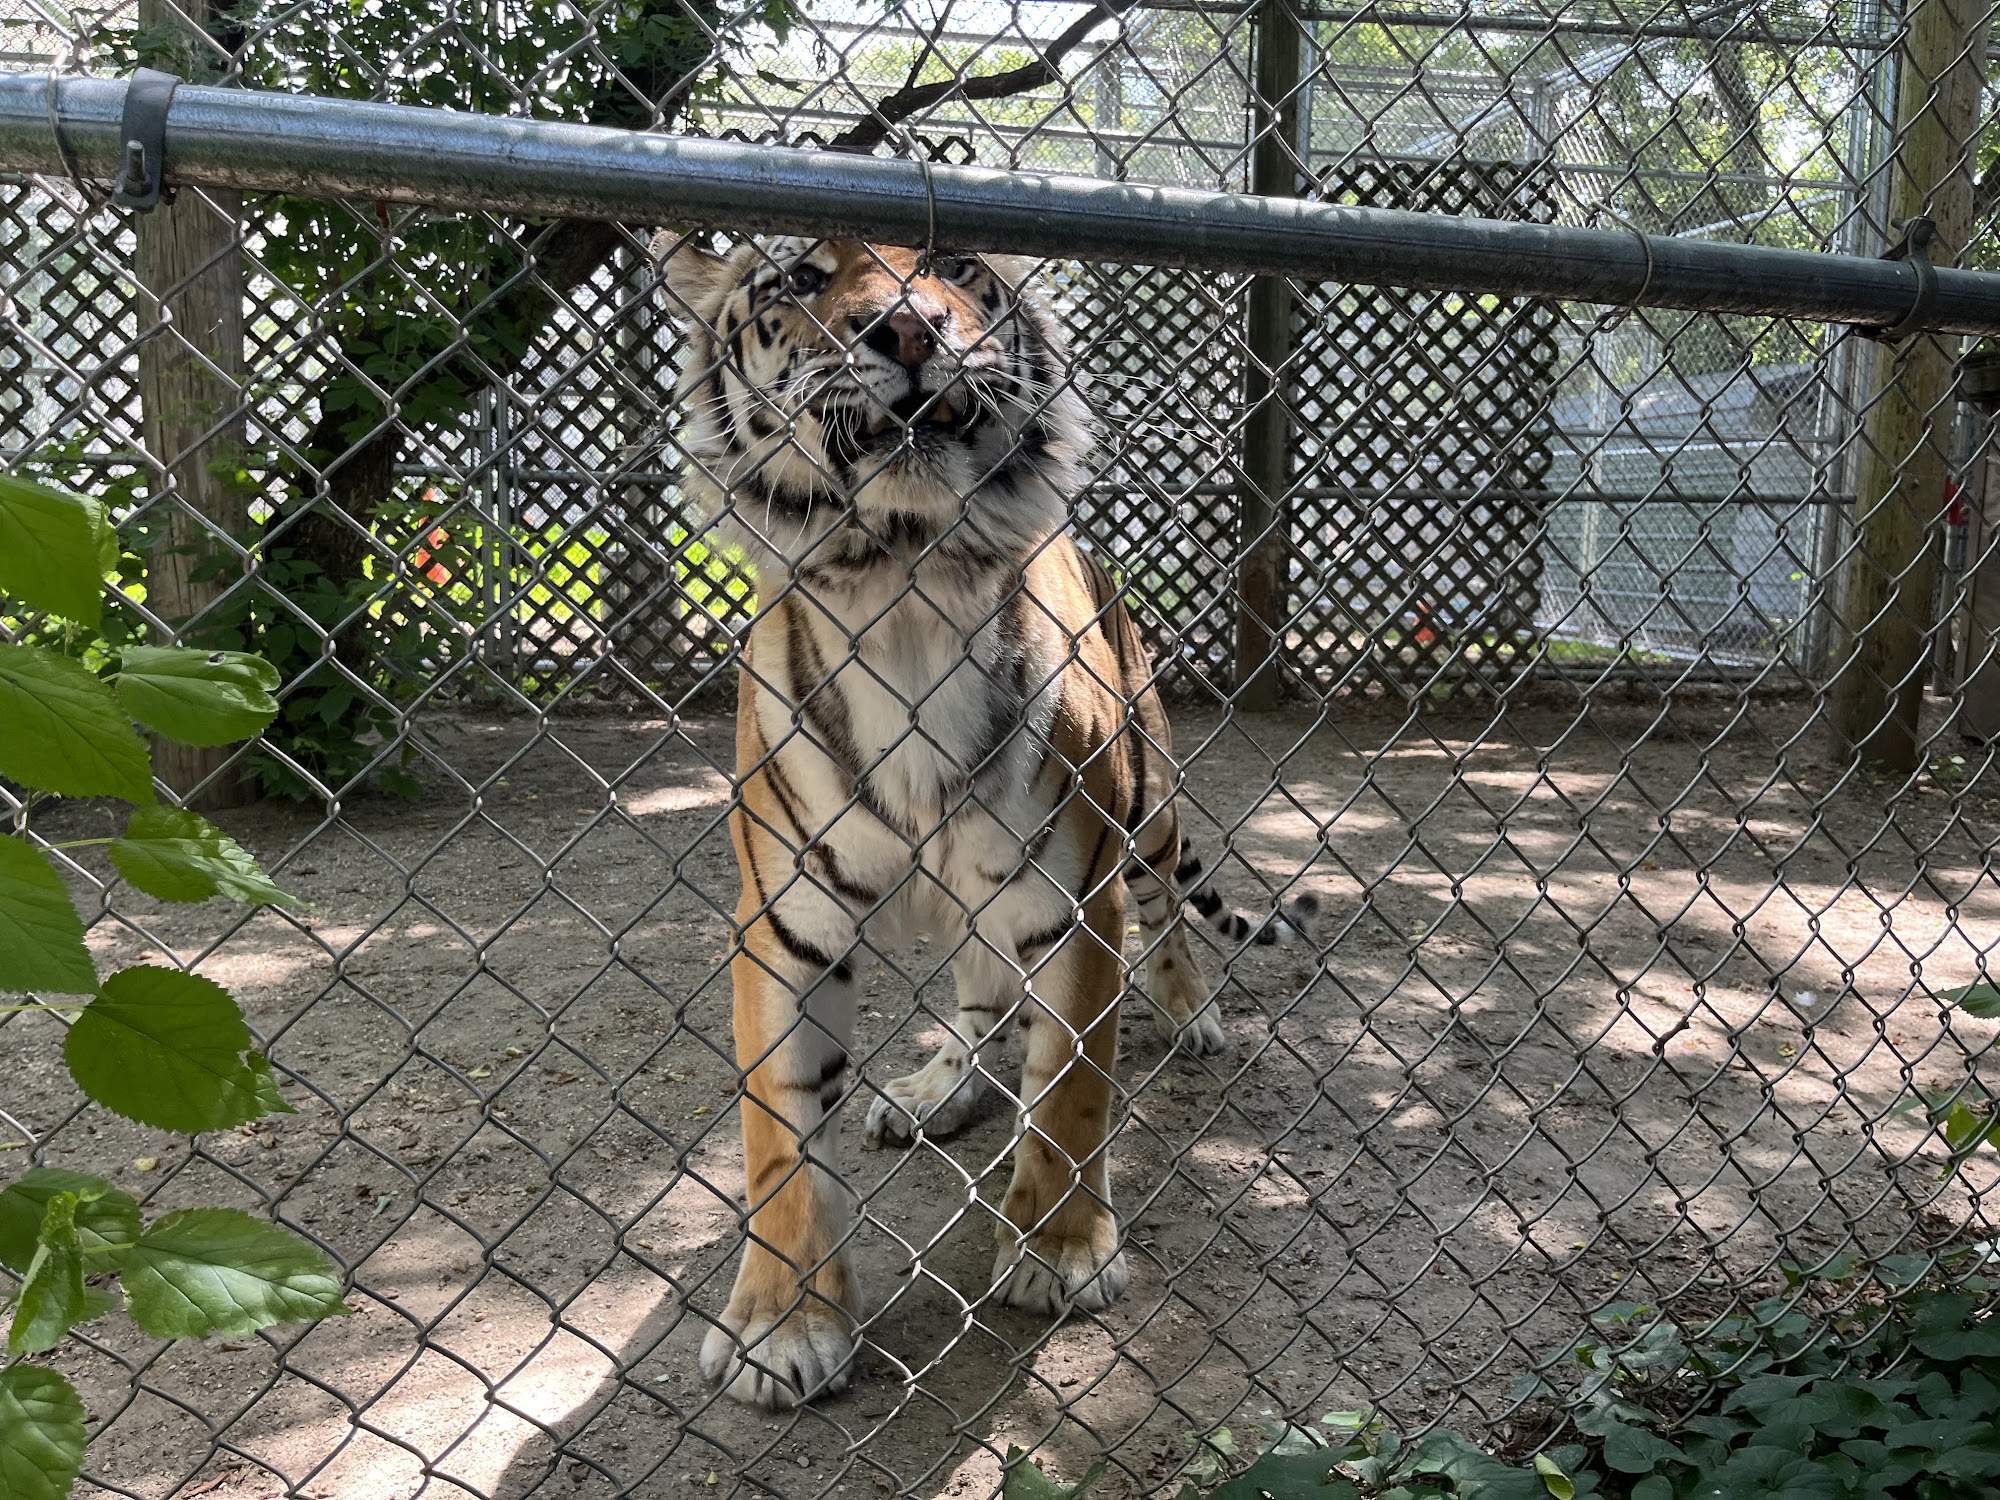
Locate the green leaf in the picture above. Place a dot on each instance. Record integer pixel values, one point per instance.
(51, 550)
(62, 731)
(218, 1270)
(51, 1295)
(1981, 1000)
(1658, 1487)
(1771, 1473)
(107, 1221)
(1939, 1434)
(1963, 1128)
(1025, 1481)
(166, 1049)
(41, 936)
(1471, 1469)
(197, 697)
(266, 1084)
(180, 856)
(1285, 1475)
(1633, 1450)
(1950, 1328)
(1554, 1479)
(41, 1434)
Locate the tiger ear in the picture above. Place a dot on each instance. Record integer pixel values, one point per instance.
(1015, 270)
(695, 277)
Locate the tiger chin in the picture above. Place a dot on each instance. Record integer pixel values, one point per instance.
(946, 722)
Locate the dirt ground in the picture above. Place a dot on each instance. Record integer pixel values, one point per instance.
(1547, 1058)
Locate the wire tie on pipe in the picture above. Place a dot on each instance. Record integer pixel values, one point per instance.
(929, 250)
(1631, 305)
(91, 194)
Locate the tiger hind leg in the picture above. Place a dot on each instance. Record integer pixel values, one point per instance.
(946, 1091)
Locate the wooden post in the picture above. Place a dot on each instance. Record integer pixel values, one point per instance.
(1890, 580)
(188, 263)
(1977, 668)
(1263, 538)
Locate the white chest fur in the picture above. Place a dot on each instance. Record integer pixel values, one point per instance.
(912, 725)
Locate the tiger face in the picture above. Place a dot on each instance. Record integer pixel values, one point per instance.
(846, 400)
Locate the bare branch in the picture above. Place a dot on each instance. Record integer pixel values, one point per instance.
(913, 98)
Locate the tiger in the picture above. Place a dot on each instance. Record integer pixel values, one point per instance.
(946, 720)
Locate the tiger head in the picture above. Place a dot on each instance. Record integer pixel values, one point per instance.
(845, 401)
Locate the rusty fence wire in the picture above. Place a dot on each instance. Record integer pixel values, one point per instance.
(1636, 888)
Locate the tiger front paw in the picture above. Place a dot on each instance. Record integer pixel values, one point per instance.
(779, 1359)
(1058, 1274)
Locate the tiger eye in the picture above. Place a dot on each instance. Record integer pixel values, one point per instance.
(956, 267)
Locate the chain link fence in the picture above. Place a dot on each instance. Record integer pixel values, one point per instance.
(1627, 964)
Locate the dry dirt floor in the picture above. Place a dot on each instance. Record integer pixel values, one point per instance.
(1545, 1054)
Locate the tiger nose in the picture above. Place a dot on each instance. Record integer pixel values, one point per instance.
(904, 336)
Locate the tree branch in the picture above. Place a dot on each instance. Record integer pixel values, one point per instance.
(865, 135)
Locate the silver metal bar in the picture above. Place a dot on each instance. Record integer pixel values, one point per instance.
(334, 148)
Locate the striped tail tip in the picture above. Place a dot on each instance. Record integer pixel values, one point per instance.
(1292, 921)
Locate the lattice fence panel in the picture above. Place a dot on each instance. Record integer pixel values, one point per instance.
(1159, 353)
(1422, 439)
(75, 311)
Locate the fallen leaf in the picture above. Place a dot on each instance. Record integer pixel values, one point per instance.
(480, 1073)
(145, 1163)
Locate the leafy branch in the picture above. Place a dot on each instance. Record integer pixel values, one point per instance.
(165, 1048)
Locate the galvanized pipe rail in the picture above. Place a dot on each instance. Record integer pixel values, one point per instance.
(338, 148)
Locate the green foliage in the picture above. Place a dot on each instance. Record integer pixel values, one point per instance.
(62, 731)
(179, 856)
(50, 547)
(106, 1220)
(159, 1046)
(65, 470)
(1026, 1481)
(167, 1049)
(1964, 1118)
(413, 316)
(51, 1296)
(41, 937)
(326, 725)
(1890, 1391)
(41, 1434)
(197, 697)
(215, 1270)
(1981, 1000)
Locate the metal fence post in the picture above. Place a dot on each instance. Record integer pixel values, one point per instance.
(1891, 572)
(1262, 540)
(188, 266)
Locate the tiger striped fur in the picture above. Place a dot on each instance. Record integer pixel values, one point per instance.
(945, 718)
